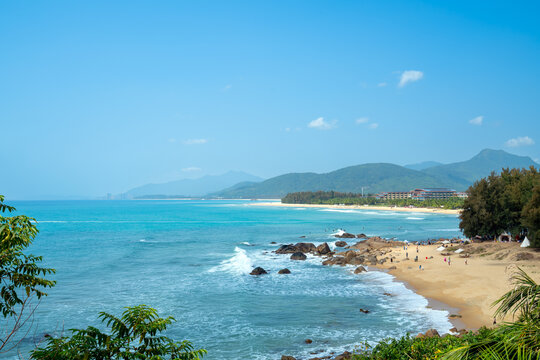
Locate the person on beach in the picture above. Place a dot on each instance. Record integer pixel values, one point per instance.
(465, 261)
(444, 259)
(449, 261)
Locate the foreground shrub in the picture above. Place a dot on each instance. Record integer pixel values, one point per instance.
(133, 336)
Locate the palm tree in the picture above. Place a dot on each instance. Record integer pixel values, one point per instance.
(512, 340)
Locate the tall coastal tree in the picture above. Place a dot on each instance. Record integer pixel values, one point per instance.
(497, 204)
(22, 279)
(531, 216)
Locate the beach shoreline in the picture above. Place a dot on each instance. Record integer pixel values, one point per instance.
(464, 289)
(360, 207)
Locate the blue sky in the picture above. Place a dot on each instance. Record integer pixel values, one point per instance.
(102, 96)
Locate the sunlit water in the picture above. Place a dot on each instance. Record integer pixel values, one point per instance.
(191, 260)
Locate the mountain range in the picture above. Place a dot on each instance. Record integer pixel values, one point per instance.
(374, 178)
(192, 187)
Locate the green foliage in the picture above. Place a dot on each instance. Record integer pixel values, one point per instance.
(407, 347)
(20, 274)
(503, 203)
(136, 335)
(335, 198)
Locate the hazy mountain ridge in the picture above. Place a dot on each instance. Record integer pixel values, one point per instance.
(379, 177)
(194, 187)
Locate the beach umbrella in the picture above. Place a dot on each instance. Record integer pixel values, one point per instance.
(440, 248)
(526, 242)
(458, 251)
(446, 242)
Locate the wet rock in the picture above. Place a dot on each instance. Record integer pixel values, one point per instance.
(345, 235)
(364, 311)
(345, 356)
(298, 256)
(305, 247)
(359, 270)
(273, 242)
(361, 236)
(336, 260)
(323, 249)
(420, 336)
(308, 341)
(286, 357)
(454, 316)
(258, 271)
(287, 249)
(432, 333)
(303, 237)
(454, 330)
(284, 271)
(387, 294)
(341, 243)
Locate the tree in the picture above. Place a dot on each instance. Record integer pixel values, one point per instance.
(531, 217)
(133, 336)
(21, 276)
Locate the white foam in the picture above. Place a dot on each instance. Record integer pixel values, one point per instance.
(342, 211)
(246, 243)
(238, 264)
(339, 232)
(415, 218)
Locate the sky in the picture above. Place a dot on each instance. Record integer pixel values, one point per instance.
(98, 97)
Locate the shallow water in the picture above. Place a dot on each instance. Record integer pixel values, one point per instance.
(191, 259)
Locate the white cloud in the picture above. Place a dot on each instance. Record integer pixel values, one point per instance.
(383, 84)
(477, 120)
(172, 140)
(191, 169)
(320, 124)
(195, 141)
(410, 76)
(227, 87)
(373, 126)
(362, 120)
(520, 141)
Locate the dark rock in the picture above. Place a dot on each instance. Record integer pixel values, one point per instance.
(454, 316)
(392, 268)
(420, 336)
(273, 242)
(364, 311)
(345, 235)
(361, 236)
(323, 249)
(303, 237)
(462, 332)
(524, 256)
(284, 271)
(387, 294)
(305, 247)
(308, 341)
(345, 356)
(432, 333)
(359, 270)
(298, 256)
(454, 330)
(336, 260)
(286, 357)
(287, 249)
(258, 271)
(341, 243)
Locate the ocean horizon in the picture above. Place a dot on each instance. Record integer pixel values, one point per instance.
(191, 259)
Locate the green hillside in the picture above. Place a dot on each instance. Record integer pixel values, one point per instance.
(481, 165)
(381, 177)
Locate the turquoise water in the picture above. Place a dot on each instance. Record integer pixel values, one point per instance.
(191, 259)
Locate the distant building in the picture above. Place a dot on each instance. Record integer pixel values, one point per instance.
(432, 194)
(462, 195)
(394, 195)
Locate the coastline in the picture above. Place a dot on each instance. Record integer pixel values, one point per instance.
(467, 290)
(359, 207)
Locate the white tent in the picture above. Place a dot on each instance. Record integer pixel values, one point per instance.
(526, 242)
(458, 251)
(446, 242)
(441, 248)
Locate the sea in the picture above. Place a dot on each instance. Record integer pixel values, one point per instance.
(191, 259)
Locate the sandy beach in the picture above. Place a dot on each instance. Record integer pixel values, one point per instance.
(359, 207)
(470, 288)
